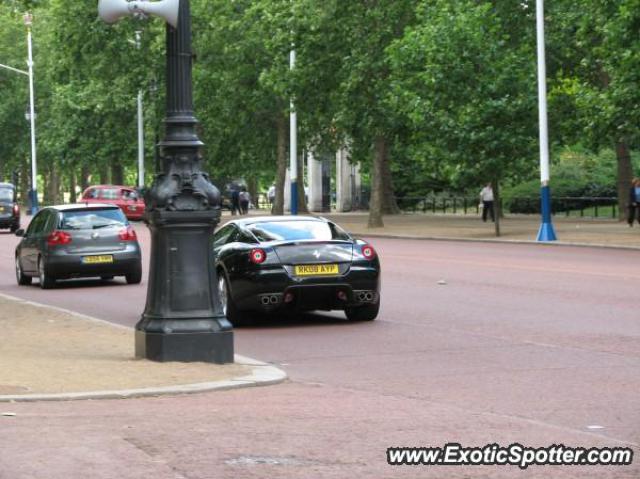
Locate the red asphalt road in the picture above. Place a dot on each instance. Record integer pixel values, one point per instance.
(524, 343)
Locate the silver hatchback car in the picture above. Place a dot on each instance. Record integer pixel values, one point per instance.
(81, 240)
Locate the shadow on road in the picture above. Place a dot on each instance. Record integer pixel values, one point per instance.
(85, 283)
(310, 319)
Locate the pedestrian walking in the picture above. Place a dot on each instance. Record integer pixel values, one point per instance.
(634, 202)
(271, 195)
(245, 199)
(235, 201)
(486, 200)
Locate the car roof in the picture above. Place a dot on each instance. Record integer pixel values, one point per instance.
(271, 219)
(111, 187)
(83, 206)
(7, 185)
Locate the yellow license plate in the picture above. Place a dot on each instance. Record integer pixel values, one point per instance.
(316, 269)
(105, 258)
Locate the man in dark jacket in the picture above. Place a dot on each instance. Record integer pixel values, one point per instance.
(235, 201)
(634, 201)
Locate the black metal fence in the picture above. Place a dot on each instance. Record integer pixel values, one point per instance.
(593, 207)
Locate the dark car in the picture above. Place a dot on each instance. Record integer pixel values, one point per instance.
(9, 209)
(72, 241)
(291, 263)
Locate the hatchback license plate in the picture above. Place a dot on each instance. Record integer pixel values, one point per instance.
(105, 258)
(316, 269)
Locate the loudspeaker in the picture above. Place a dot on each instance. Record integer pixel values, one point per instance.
(167, 9)
(112, 10)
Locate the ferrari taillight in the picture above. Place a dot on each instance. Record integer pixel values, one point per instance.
(368, 252)
(257, 256)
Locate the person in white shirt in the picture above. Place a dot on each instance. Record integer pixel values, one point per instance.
(486, 199)
(271, 194)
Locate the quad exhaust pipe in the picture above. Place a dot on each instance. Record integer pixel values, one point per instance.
(273, 299)
(268, 299)
(365, 296)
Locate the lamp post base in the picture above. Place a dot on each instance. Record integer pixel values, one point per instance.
(183, 320)
(546, 232)
(33, 202)
(209, 347)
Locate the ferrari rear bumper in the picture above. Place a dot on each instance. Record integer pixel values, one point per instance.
(278, 290)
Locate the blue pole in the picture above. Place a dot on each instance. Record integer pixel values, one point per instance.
(33, 200)
(294, 197)
(546, 232)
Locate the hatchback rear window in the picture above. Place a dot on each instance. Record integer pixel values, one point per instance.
(110, 194)
(92, 219)
(6, 194)
(297, 230)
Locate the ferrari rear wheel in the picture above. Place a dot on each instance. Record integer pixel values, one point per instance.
(368, 312)
(229, 308)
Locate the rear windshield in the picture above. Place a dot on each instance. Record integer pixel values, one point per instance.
(92, 219)
(297, 230)
(6, 194)
(110, 194)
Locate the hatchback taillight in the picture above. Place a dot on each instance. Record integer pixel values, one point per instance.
(257, 255)
(127, 234)
(16, 209)
(368, 252)
(58, 238)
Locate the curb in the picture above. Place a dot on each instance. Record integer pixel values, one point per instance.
(262, 374)
(503, 241)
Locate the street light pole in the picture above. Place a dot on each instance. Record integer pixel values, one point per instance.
(140, 128)
(183, 319)
(546, 232)
(28, 19)
(293, 143)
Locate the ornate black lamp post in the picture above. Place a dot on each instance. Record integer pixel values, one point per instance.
(182, 320)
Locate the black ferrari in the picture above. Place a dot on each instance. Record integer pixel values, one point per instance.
(294, 264)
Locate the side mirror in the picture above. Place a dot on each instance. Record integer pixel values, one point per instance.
(20, 232)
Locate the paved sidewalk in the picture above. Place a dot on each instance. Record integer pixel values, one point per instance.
(588, 231)
(56, 354)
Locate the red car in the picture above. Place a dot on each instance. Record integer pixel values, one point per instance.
(128, 199)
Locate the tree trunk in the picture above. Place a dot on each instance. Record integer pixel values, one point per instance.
(84, 177)
(625, 174)
(73, 184)
(302, 199)
(25, 173)
(54, 185)
(105, 178)
(377, 184)
(278, 205)
(389, 204)
(497, 210)
(117, 174)
(46, 193)
(51, 186)
(252, 187)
